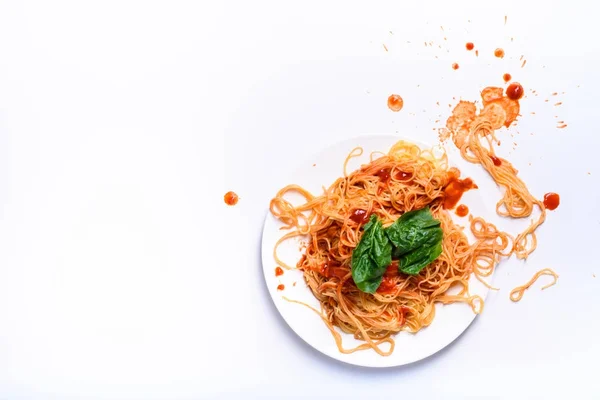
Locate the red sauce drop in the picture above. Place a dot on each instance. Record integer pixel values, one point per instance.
(280, 286)
(455, 66)
(359, 216)
(278, 271)
(462, 210)
(506, 77)
(230, 198)
(514, 91)
(470, 46)
(402, 175)
(496, 160)
(499, 53)
(551, 201)
(455, 189)
(383, 174)
(395, 103)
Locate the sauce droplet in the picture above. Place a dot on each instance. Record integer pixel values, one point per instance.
(395, 103)
(455, 66)
(280, 286)
(506, 77)
(359, 216)
(402, 175)
(462, 210)
(514, 91)
(551, 201)
(383, 174)
(497, 162)
(230, 198)
(499, 53)
(470, 46)
(278, 271)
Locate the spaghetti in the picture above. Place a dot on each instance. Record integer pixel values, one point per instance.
(405, 179)
(517, 293)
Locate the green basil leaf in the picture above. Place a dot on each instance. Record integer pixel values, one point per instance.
(371, 256)
(417, 239)
(411, 230)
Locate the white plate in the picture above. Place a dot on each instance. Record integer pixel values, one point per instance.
(450, 320)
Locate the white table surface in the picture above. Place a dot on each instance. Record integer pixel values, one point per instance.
(122, 124)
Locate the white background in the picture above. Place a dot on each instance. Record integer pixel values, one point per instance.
(122, 124)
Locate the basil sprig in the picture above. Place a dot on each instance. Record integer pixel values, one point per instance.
(415, 239)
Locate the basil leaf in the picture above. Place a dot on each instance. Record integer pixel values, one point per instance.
(412, 263)
(411, 230)
(371, 256)
(417, 239)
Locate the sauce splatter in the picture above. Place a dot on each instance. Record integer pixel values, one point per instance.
(359, 216)
(499, 53)
(562, 126)
(230, 198)
(395, 103)
(497, 162)
(507, 77)
(385, 47)
(455, 66)
(281, 286)
(514, 91)
(476, 53)
(455, 189)
(470, 46)
(278, 271)
(462, 210)
(551, 201)
(524, 62)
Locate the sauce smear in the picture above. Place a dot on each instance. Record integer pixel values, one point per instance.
(499, 53)
(280, 286)
(514, 91)
(462, 210)
(551, 201)
(278, 271)
(455, 189)
(387, 286)
(506, 77)
(230, 198)
(395, 103)
(470, 46)
(359, 216)
(497, 162)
